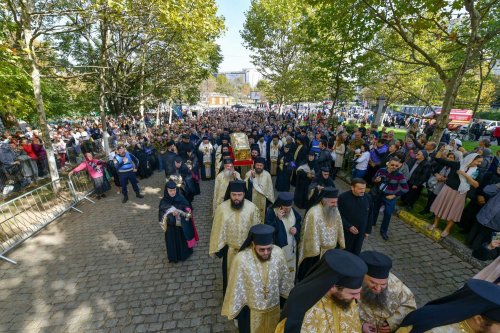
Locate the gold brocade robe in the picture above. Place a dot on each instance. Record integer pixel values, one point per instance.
(461, 327)
(259, 286)
(230, 227)
(262, 190)
(289, 250)
(327, 317)
(319, 235)
(220, 187)
(274, 151)
(206, 150)
(400, 302)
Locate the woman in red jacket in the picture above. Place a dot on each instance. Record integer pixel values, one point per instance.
(496, 134)
(28, 148)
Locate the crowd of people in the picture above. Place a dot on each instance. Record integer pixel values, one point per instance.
(288, 271)
(290, 243)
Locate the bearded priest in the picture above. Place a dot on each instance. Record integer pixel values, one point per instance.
(260, 186)
(259, 282)
(385, 300)
(321, 231)
(221, 181)
(324, 301)
(232, 220)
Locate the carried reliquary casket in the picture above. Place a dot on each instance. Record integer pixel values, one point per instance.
(241, 149)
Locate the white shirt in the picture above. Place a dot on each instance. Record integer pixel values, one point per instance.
(362, 161)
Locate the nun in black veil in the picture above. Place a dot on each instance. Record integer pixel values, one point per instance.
(177, 221)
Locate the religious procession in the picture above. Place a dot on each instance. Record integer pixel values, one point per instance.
(290, 244)
(251, 166)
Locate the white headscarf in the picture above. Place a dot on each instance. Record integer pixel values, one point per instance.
(464, 164)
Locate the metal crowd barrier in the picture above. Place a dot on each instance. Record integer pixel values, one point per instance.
(23, 217)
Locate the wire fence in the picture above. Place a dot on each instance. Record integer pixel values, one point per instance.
(24, 216)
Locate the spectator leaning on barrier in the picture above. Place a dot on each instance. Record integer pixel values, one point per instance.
(95, 169)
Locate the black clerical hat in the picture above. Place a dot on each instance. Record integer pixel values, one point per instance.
(184, 136)
(284, 199)
(178, 159)
(325, 169)
(255, 146)
(204, 137)
(237, 186)
(335, 268)
(228, 160)
(330, 192)
(379, 265)
(311, 153)
(171, 184)
(260, 160)
(259, 234)
(477, 297)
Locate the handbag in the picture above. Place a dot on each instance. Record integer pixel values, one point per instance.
(333, 155)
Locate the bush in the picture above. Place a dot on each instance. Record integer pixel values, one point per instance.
(490, 115)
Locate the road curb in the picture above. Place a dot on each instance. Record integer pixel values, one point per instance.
(449, 243)
(420, 225)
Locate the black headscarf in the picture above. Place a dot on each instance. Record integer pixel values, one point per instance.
(178, 201)
(477, 297)
(336, 267)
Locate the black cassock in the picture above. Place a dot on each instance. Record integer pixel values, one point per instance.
(355, 211)
(144, 169)
(176, 237)
(284, 172)
(302, 186)
(319, 180)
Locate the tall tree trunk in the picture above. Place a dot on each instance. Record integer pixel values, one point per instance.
(141, 83)
(103, 59)
(37, 88)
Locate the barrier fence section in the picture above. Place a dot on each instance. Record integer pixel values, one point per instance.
(24, 216)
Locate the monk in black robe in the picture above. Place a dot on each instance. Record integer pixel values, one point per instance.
(285, 168)
(318, 184)
(304, 175)
(356, 210)
(287, 224)
(176, 219)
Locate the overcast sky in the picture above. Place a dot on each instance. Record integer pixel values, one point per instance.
(235, 55)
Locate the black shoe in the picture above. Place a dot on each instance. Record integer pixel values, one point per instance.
(125, 199)
(139, 195)
(103, 195)
(99, 197)
(384, 235)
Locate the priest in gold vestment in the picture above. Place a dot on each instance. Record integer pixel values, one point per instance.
(475, 308)
(260, 186)
(221, 182)
(258, 283)
(232, 220)
(385, 300)
(274, 151)
(321, 230)
(324, 301)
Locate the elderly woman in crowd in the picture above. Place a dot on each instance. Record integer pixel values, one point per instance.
(95, 169)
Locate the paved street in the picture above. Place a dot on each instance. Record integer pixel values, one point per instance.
(106, 271)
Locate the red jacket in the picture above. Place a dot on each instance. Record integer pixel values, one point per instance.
(496, 133)
(29, 150)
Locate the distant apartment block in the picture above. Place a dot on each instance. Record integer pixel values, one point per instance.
(246, 75)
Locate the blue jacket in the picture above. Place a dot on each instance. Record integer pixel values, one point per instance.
(131, 164)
